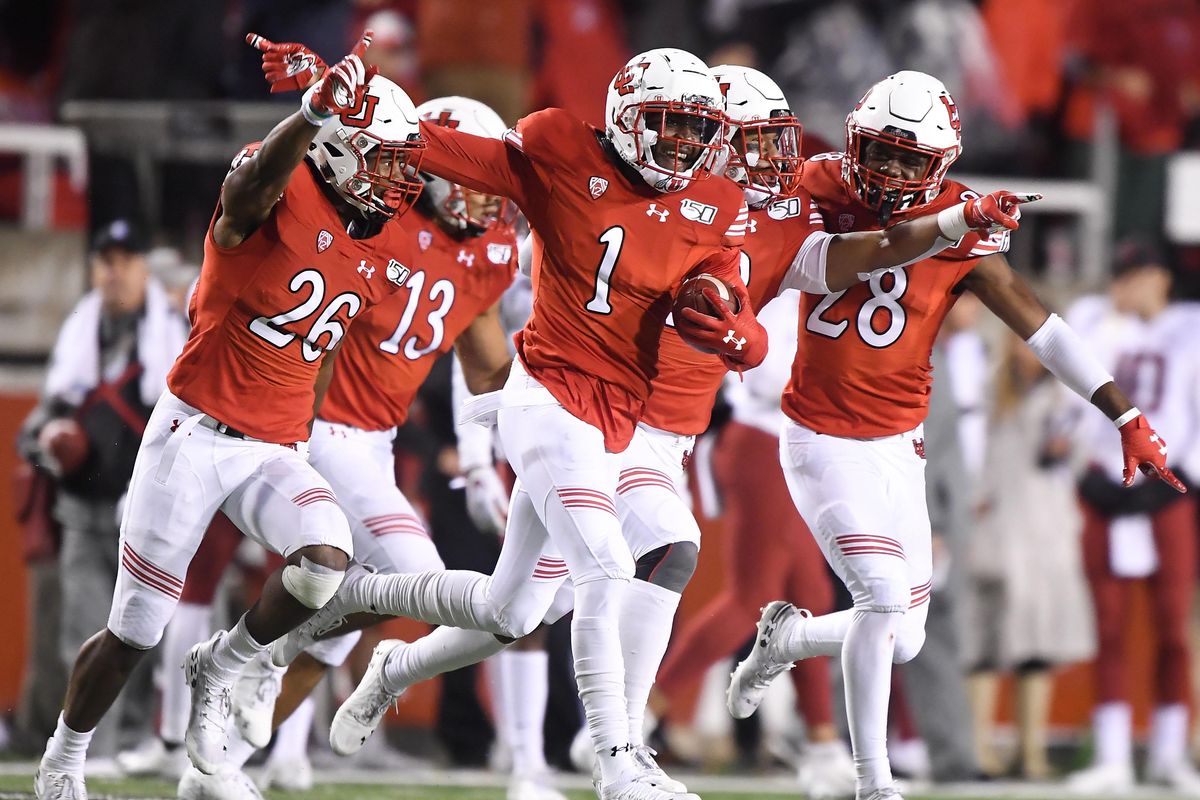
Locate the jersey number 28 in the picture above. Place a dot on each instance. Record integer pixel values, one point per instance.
(885, 301)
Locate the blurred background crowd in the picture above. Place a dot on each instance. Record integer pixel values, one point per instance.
(1063, 616)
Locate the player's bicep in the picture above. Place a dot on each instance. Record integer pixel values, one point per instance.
(1007, 295)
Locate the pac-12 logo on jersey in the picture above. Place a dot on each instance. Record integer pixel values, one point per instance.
(324, 239)
(597, 186)
(397, 273)
(698, 212)
(498, 253)
(424, 240)
(846, 222)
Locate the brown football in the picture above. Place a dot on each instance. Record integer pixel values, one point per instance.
(64, 441)
(691, 295)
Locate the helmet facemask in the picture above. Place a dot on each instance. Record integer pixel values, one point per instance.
(765, 156)
(386, 183)
(675, 142)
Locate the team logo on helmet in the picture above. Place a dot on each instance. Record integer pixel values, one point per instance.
(424, 240)
(324, 239)
(597, 186)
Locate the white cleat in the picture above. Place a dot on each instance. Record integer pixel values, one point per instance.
(58, 785)
(327, 619)
(750, 679)
(650, 772)
(208, 721)
(1180, 776)
(288, 774)
(154, 759)
(826, 771)
(363, 710)
(1114, 778)
(254, 697)
(634, 789)
(226, 784)
(886, 793)
(533, 787)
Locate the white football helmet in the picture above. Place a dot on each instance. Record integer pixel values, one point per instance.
(665, 117)
(462, 208)
(370, 155)
(910, 112)
(763, 134)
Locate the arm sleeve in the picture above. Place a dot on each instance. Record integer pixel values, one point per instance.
(1063, 353)
(495, 166)
(807, 272)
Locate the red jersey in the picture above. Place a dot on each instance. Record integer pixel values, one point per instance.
(264, 313)
(613, 253)
(686, 386)
(862, 365)
(390, 350)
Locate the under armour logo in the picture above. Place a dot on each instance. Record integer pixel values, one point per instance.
(1154, 437)
(623, 748)
(662, 213)
(466, 258)
(737, 342)
(365, 270)
(752, 225)
(919, 447)
(174, 425)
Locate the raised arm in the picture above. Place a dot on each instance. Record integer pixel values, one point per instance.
(1010, 297)
(493, 166)
(832, 262)
(254, 184)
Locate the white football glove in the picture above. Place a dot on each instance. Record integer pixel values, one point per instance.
(487, 499)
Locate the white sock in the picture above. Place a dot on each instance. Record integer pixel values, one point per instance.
(442, 650)
(867, 666)
(647, 613)
(291, 738)
(192, 623)
(805, 637)
(234, 650)
(1114, 733)
(237, 749)
(525, 687)
(1168, 736)
(600, 673)
(66, 749)
(453, 597)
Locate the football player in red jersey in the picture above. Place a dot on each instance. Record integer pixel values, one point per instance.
(282, 278)
(466, 256)
(852, 449)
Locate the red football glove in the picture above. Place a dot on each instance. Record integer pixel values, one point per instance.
(738, 339)
(996, 210)
(289, 67)
(341, 87)
(1145, 450)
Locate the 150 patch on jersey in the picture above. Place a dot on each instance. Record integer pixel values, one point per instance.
(698, 212)
(498, 253)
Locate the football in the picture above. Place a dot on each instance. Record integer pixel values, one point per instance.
(691, 295)
(64, 441)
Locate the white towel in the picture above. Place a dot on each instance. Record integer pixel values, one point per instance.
(74, 368)
(1131, 549)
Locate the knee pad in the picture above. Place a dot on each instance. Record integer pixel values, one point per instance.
(670, 566)
(311, 584)
(909, 641)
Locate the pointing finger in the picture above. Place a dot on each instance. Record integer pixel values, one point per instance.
(360, 49)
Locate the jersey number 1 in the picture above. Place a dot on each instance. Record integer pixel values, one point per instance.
(612, 239)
